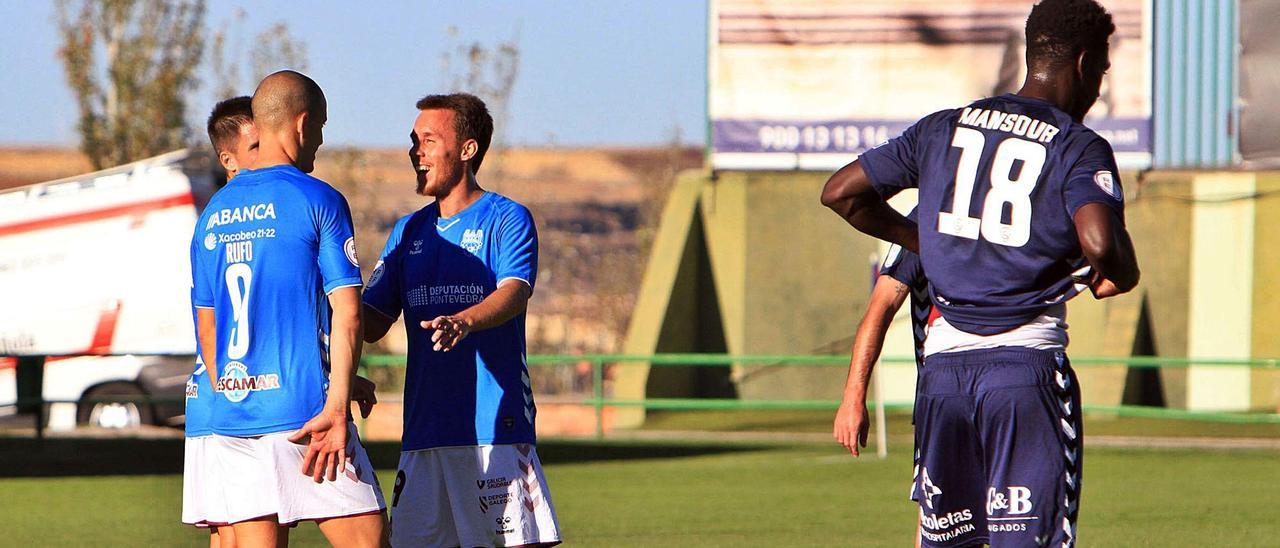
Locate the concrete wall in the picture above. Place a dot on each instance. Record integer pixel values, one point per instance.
(786, 276)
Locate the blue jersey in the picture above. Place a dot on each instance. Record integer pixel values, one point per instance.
(1000, 182)
(478, 393)
(267, 250)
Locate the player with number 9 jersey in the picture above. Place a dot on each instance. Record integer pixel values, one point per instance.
(254, 259)
(1005, 176)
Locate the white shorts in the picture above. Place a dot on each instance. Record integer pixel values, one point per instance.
(201, 491)
(262, 475)
(487, 495)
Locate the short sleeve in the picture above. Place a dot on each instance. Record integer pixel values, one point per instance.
(339, 266)
(1094, 179)
(902, 265)
(202, 289)
(894, 165)
(517, 248)
(383, 291)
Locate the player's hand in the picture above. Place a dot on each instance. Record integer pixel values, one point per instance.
(363, 392)
(851, 425)
(1103, 288)
(449, 331)
(326, 448)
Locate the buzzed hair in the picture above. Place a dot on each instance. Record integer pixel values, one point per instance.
(471, 120)
(226, 120)
(282, 96)
(1060, 30)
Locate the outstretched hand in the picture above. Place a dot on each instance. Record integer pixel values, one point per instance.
(449, 331)
(364, 393)
(851, 425)
(325, 436)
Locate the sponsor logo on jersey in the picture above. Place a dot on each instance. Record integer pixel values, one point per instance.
(236, 383)
(472, 239)
(1017, 503)
(350, 249)
(1017, 124)
(193, 389)
(1106, 181)
(210, 241)
(233, 215)
(500, 482)
(377, 274)
(504, 526)
(946, 527)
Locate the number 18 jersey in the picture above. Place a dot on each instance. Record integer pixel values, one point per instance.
(267, 250)
(1000, 182)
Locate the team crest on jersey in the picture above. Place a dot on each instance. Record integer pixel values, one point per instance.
(1107, 183)
(377, 274)
(236, 383)
(472, 239)
(350, 249)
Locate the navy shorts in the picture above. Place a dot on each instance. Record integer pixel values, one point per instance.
(999, 439)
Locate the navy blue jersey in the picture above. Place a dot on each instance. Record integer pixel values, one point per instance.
(267, 250)
(1000, 181)
(478, 393)
(904, 266)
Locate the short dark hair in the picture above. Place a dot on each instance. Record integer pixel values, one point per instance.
(226, 119)
(471, 120)
(1059, 30)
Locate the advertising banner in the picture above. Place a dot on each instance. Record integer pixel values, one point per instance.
(810, 84)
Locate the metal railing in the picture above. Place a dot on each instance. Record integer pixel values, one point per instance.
(599, 402)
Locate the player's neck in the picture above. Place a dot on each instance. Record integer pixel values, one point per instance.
(462, 195)
(1053, 87)
(272, 153)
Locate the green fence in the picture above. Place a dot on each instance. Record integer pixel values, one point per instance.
(599, 401)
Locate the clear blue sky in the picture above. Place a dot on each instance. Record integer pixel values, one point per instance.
(608, 72)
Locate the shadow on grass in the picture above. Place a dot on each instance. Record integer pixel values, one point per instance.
(27, 457)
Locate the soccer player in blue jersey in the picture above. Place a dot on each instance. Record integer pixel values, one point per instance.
(461, 270)
(275, 273)
(1019, 201)
(235, 141)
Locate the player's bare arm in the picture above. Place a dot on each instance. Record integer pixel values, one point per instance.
(207, 335)
(849, 193)
(508, 301)
(851, 419)
(327, 450)
(1107, 246)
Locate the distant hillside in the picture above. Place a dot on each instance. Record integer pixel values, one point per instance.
(596, 210)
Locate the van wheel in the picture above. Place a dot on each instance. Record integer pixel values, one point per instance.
(114, 414)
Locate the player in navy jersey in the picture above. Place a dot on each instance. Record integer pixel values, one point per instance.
(275, 275)
(461, 270)
(901, 279)
(1020, 209)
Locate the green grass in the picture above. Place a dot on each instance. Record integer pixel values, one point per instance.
(899, 424)
(674, 494)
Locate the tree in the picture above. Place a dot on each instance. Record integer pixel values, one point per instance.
(133, 104)
(272, 49)
(488, 72)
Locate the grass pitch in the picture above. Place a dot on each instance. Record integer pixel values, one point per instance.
(670, 494)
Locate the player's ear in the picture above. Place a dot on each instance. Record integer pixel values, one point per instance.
(228, 161)
(469, 149)
(1080, 64)
(300, 124)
